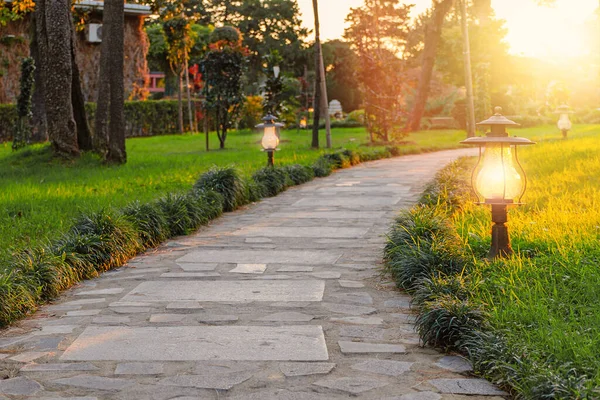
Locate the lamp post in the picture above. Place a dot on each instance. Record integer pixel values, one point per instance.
(498, 178)
(564, 123)
(270, 138)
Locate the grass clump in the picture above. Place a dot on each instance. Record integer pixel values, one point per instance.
(322, 168)
(149, 220)
(299, 174)
(271, 180)
(228, 183)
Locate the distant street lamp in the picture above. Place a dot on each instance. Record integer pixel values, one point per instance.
(564, 123)
(270, 138)
(498, 178)
(276, 71)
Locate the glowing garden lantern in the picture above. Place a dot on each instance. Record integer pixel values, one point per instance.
(270, 138)
(564, 123)
(498, 179)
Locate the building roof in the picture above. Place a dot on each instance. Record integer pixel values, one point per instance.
(130, 8)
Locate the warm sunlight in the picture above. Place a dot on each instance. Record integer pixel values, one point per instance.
(563, 30)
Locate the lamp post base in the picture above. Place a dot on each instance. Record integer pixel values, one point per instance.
(271, 158)
(564, 133)
(500, 240)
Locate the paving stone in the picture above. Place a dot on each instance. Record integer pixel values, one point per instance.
(353, 385)
(83, 302)
(228, 291)
(383, 367)
(362, 332)
(216, 381)
(130, 304)
(301, 232)
(19, 386)
(3, 356)
(68, 398)
(223, 367)
(348, 309)
(197, 267)
(350, 202)
(401, 302)
(141, 270)
(358, 298)
(296, 269)
(100, 292)
(362, 347)
(455, 364)
(327, 275)
(196, 343)
(56, 329)
(83, 313)
(231, 256)
(139, 369)
(417, 396)
(291, 304)
(359, 320)
(305, 368)
(197, 275)
(258, 240)
(215, 319)
(29, 356)
(329, 215)
(61, 307)
(131, 310)
(111, 320)
(166, 318)
(287, 317)
(280, 394)
(351, 284)
(467, 386)
(59, 367)
(95, 382)
(249, 269)
(184, 305)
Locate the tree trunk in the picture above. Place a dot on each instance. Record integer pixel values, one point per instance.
(39, 131)
(84, 135)
(103, 99)
(433, 32)
(191, 121)
(54, 42)
(116, 138)
(468, 74)
(324, 100)
(180, 101)
(317, 99)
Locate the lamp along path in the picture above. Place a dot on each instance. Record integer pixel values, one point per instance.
(280, 300)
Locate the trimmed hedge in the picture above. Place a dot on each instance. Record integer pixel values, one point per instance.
(99, 241)
(142, 118)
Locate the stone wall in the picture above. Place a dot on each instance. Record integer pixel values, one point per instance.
(13, 50)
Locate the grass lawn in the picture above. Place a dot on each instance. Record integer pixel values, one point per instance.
(546, 300)
(39, 196)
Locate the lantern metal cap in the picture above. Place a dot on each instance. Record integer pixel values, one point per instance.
(514, 140)
(564, 109)
(498, 119)
(269, 120)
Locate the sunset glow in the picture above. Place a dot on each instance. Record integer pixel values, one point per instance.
(564, 30)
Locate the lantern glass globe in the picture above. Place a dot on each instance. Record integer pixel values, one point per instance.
(564, 123)
(498, 178)
(270, 139)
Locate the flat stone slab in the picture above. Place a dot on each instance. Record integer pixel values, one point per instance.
(366, 201)
(83, 313)
(467, 386)
(56, 330)
(358, 298)
(184, 305)
(363, 332)
(100, 292)
(455, 364)
(287, 317)
(349, 309)
(95, 382)
(249, 269)
(139, 369)
(327, 275)
(361, 347)
(278, 394)
(354, 385)
(302, 232)
(83, 302)
(131, 310)
(187, 275)
(384, 367)
(305, 368)
(216, 381)
(166, 318)
(400, 302)
(296, 269)
(351, 284)
(232, 256)
(227, 291)
(215, 319)
(325, 215)
(197, 267)
(197, 343)
(110, 320)
(19, 386)
(29, 356)
(59, 367)
(417, 396)
(359, 320)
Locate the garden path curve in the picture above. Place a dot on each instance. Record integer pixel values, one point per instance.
(280, 300)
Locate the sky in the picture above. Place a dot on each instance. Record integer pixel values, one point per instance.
(543, 32)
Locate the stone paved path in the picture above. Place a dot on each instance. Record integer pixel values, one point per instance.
(282, 300)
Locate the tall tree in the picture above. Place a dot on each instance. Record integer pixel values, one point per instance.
(318, 86)
(433, 33)
(110, 120)
(54, 33)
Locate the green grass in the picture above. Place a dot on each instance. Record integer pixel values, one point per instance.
(546, 299)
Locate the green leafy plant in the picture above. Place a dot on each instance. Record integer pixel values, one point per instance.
(228, 183)
(272, 180)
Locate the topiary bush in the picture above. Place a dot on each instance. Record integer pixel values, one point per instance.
(271, 180)
(228, 183)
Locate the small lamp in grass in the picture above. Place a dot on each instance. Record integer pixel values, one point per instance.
(498, 178)
(564, 123)
(270, 138)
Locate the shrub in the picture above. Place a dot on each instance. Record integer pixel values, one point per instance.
(204, 206)
(18, 296)
(271, 180)
(299, 174)
(337, 160)
(322, 167)
(450, 187)
(180, 212)
(150, 222)
(228, 183)
(357, 116)
(352, 156)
